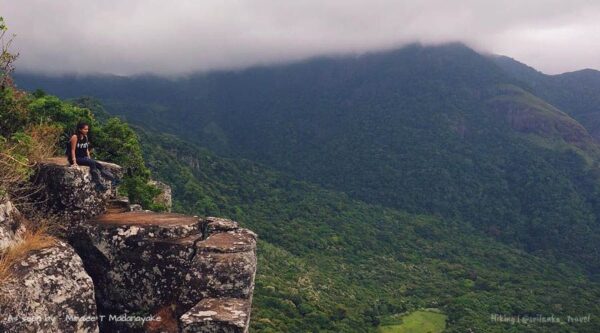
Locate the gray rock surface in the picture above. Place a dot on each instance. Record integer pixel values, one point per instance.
(49, 292)
(70, 192)
(216, 224)
(144, 261)
(10, 226)
(138, 259)
(135, 208)
(226, 315)
(224, 266)
(141, 262)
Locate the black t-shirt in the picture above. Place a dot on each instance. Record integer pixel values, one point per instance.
(82, 147)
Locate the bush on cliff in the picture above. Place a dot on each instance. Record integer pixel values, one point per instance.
(38, 122)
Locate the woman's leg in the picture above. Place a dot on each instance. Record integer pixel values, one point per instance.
(94, 170)
(88, 162)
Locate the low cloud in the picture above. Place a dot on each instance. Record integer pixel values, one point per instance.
(177, 37)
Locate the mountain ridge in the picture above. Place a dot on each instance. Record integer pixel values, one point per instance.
(412, 129)
(461, 177)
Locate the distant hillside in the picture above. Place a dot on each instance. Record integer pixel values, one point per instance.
(329, 263)
(430, 130)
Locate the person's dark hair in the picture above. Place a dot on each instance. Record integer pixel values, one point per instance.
(80, 126)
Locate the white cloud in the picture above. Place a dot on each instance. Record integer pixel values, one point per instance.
(170, 37)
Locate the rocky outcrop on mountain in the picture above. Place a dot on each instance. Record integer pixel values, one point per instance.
(45, 288)
(224, 266)
(70, 192)
(49, 291)
(138, 258)
(196, 273)
(528, 114)
(142, 262)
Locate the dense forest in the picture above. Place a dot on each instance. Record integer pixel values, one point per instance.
(424, 177)
(328, 262)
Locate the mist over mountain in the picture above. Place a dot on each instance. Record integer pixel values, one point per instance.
(487, 147)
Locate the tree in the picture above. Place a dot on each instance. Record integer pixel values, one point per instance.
(6, 58)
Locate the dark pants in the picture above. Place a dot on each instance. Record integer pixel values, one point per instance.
(96, 169)
(92, 163)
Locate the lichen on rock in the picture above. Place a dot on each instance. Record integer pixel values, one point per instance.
(70, 192)
(227, 315)
(143, 261)
(49, 292)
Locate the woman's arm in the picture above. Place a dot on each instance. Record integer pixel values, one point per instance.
(73, 146)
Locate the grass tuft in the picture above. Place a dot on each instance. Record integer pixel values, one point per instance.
(32, 239)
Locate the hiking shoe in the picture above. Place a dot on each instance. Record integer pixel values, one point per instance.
(107, 174)
(101, 187)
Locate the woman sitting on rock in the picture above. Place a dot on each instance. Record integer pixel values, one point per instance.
(78, 153)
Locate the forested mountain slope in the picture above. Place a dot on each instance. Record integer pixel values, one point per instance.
(329, 263)
(429, 130)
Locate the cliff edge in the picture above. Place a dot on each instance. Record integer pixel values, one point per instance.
(151, 272)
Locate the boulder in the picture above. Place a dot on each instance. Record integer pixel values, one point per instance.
(49, 291)
(70, 192)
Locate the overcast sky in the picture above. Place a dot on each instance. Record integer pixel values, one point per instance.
(179, 36)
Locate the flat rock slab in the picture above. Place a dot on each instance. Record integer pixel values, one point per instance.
(139, 259)
(62, 161)
(227, 315)
(239, 240)
(146, 219)
(147, 224)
